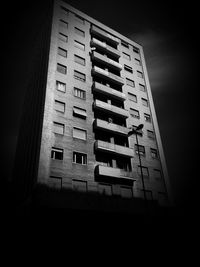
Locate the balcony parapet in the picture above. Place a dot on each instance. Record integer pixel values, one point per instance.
(111, 127)
(104, 34)
(98, 104)
(98, 87)
(107, 61)
(113, 149)
(107, 75)
(107, 48)
(114, 172)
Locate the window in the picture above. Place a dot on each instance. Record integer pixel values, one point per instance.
(55, 181)
(125, 44)
(134, 113)
(79, 185)
(162, 198)
(148, 194)
(62, 52)
(126, 192)
(145, 171)
(132, 97)
(137, 62)
(58, 128)
(139, 74)
(79, 60)
(145, 102)
(79, 32)
(79, 158)
(79, 133)
(126, 56)
(135, 49)
(61, 86)
(64, 10)
(142, 87)
(61, 68)
(130, 82)
(79, 76)
(79, 45)
(154, 153)
(105, 189)
(79, 112)
(59, 106)
(79, 19)
(79, 93)
(57, 153)
(63, 24)
(63, 37)
(128, 68)
(157, 174)
(150, 134)
(147, 117)
(140, 149)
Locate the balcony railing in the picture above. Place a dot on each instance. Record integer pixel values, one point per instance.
(111, 127)
(107, 61)
(104, 34)
(107, 48)
(113, 149)
(107, 75)
(114, 172)
(98, 87)
(111, 109)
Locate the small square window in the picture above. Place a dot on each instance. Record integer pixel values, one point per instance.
(61, 86)
(63, 37)
(154, 153)
(145, 102)
(126, 192)
(132, 97)
(79, 32)
(126, 56)
(62, 52)
(140, 74)
(137, 62)
(105, 189)
(79, 60)
(79, 185)
(79, 158)
(57, 153)
(79, 93)
(157, 174)
(124, 44)
(130, 82)
(58, 128)
(147, 117)
(142, 87)
(136, 50)
(63, 24)
(79, 45)
(59, 106)
(79, 19)
(64, 10)
(134, 113)
(79, 112)
(140, 150)
(79, 133)
(143, 171)
(79, 76)
(61, 68)
(128, 68)
(150, 134)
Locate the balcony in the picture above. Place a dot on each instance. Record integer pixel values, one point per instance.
(111, 127)
(100, 105)
(105, 60)
(106, 48)
(104, 35)
(103, 89)
(107, 75)
(114, 149)
(113, 172)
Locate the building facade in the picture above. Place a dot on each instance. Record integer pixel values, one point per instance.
(97, 89)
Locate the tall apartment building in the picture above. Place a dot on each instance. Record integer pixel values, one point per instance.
(94, 87)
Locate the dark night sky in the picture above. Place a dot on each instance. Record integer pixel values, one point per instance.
(167, 31)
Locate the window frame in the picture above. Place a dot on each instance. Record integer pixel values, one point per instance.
(63, 66)
(58, 150)
(74, 157)
(83, 63)
(81, 91)
(79, 32)
(83, 130)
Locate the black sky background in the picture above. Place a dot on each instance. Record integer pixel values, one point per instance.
(168, 32)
